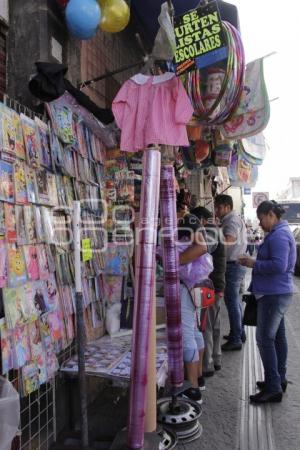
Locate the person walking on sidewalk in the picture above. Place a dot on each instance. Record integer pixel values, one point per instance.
(272, 285)
(212, 336)
(190, 230)
(235, 240)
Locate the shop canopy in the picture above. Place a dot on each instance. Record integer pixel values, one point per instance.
(146, 13)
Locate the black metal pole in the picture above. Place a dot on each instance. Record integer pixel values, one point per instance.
(109, 74)
(210, 201)
(81, 372)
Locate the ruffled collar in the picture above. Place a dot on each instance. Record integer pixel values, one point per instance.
(141, 79)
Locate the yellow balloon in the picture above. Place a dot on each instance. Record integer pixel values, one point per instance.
(115, 15)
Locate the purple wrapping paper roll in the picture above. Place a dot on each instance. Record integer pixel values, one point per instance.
(171, 275)
(143, 298)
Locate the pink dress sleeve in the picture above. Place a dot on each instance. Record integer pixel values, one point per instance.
(119, 103)
(183, 106)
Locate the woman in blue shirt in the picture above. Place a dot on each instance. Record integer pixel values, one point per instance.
(272, 285)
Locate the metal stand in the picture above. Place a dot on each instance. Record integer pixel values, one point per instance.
(80, 331)
(181, 416)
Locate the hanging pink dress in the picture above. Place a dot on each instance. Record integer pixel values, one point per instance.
(152, 110)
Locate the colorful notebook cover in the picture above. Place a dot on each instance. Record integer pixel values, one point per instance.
(62, 118)
(42, 186)
(6, 182)
(40, 297)
(52, 189)
(40, 234)
(13, 300)
(11, 134)
(16, 266)
(50, 258)
(30, 310)
(51, 360)
(31, 185)
(43, 262)
(6, 349)
(21, 346)
(30, 378)
(20, 183)
(20, 224)
(31, 141)
(8, 133)
(52, 294)
(16, 121)
(55, 325)
(38, 355)
(3, 263)
(32, 263)
(10, 223)
(44, 140)
(30, 224)
(2, 219)
(48, 224)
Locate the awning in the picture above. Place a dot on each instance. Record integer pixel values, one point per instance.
(146, 13)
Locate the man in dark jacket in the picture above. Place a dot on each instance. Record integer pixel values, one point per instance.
(212, 335)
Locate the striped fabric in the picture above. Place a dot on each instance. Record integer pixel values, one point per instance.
(144, 290)
(171, 274)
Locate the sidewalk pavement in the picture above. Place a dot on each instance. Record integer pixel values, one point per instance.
(229, 421)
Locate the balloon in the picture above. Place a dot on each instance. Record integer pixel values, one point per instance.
(83, 18)
(115, 15)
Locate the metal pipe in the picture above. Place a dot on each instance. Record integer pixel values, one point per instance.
(80, 330)
(110, 74)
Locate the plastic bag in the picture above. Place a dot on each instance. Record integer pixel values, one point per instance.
(9, 413)
(113, 318)
(198, 270)
(165, 44)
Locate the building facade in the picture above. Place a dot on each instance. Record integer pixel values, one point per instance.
(4, 19)
(47, 39)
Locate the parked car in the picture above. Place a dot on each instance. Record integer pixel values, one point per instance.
(297, 238)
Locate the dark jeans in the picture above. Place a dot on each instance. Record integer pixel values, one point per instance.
(234, 275)
(250, 249)
(271, 338)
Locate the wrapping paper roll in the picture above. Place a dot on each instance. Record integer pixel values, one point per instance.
(143, 298)
(171, 275)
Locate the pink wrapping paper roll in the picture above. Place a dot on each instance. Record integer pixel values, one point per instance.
(171, 275)
(144, 289)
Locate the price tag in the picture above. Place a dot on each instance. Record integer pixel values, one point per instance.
(87, 252)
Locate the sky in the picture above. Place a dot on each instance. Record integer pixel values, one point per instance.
(273, 26)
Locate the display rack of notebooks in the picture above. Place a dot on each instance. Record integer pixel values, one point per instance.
(44, 167)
